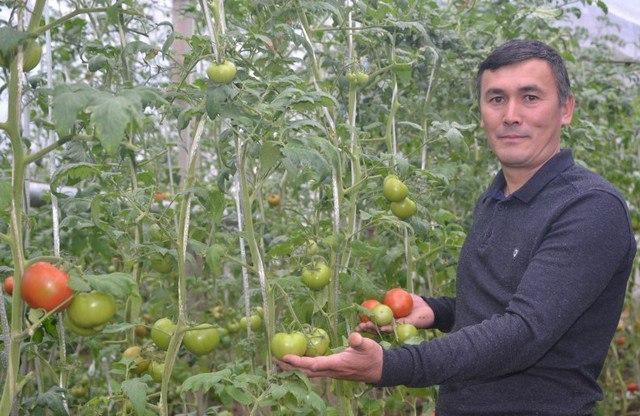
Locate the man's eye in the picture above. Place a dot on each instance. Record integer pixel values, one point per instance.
(496, 100)
(530, 98)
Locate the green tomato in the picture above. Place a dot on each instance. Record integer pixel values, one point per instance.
(78, 391)
(317, 277)
(284, 343)
(83, 332)
(358, 78)
(233, 326)
(156, 370)
(162, 263)
(317, 343)
(222, 73)
(394, 189)
(161, 332)
(405, 332)
(403, 209)
(32, 53)
(201, 339)
(89, 310)
(381, 315)
(255, 322)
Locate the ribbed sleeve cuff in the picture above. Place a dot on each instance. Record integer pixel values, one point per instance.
(443, 315)
(397, 368)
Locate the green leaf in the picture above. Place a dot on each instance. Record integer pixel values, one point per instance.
(73, 173)
(238, 395)
(53, 400)
(204, 382)
(269, 156)
(78, 284)
(67, 103)
(117, 284)
(136, 390)
(5, 196)
(111, 115)
(10, 38)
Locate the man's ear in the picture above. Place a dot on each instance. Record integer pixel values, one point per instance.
(567, 110)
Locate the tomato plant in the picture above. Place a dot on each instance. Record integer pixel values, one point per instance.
(201, 339)
(161, 332)
(400, 301)
(7, 285)
(88, 310)
(284, 343)
(45, 286)
(222, 73)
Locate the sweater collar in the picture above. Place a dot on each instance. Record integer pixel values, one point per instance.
(551, 169)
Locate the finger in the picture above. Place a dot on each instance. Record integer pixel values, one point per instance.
(285, 366)
(366, 327)
(355, 339)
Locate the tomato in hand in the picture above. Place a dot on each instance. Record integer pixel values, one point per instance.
(201, 339)
(405, 332)
(8, 285)
(88, 310)
(400, 301)
(317, 277)
(368, 304)
(394, 189)
(404, 209)
(382, 315)
(45, 286)
(222, 73)
(161, 332)
(284, 343)
(317, 343)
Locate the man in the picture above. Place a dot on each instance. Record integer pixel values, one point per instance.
(542, 274)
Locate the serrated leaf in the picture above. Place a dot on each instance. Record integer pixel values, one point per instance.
(111, 115)
(117, 284)
(53, 400)
(78, 284)
(136, 391)
(238, 395)
(204, 382)
(66, 104)
(75, 172)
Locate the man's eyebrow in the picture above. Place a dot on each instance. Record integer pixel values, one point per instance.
(522, 90)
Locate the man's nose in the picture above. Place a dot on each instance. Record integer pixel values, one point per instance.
(512, 113)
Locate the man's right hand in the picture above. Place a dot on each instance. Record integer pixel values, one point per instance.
(421, 316)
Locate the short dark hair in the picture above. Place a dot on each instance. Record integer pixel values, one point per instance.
(520, 50)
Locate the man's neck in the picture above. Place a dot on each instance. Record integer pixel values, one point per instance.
(516, 177)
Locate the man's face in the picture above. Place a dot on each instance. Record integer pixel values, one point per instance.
(521, 113)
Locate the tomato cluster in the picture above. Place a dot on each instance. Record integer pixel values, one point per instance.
(397, 303)
(313, 344)
(396, 192)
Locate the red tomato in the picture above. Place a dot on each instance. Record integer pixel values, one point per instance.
(632, 387)
(8, 285)
(369, 304)
(400, 302)
(45, 286)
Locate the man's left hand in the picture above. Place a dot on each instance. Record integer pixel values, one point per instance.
(361, 361)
